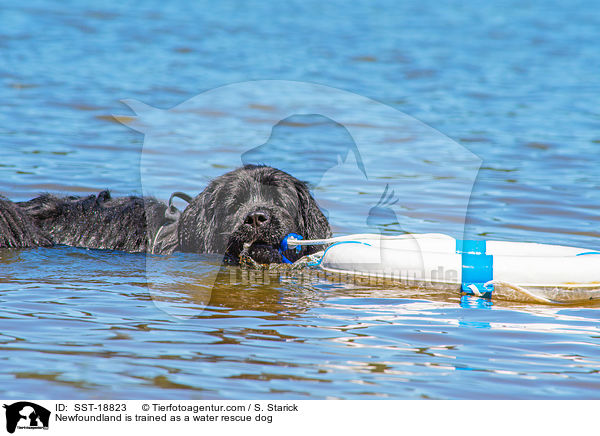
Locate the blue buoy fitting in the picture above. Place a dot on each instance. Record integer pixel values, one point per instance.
(284, 243)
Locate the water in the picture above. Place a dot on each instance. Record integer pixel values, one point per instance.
(515, 85)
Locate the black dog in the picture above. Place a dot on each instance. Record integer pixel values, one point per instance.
(17, 229)
(248, 210)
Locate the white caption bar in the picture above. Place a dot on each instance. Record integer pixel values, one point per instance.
(25, 417)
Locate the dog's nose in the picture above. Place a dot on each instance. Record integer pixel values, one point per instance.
(257, 219)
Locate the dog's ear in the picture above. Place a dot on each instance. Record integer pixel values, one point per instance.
(200, 225)
(315, 225)
(192, 225)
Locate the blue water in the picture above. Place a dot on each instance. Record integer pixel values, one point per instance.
(507, 95)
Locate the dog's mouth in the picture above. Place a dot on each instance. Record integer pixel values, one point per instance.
(259, 250)
(262, 251)
(251, 244)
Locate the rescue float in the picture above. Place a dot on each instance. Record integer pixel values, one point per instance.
(500, 269)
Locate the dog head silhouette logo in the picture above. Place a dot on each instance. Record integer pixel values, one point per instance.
(26, 415)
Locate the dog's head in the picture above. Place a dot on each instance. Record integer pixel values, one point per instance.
(251, 209)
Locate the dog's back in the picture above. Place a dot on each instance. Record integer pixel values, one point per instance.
(124, 223)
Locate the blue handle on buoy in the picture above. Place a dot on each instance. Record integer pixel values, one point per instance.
(284, 243)
(284, 246)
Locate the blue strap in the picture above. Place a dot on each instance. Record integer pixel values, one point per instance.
(473, 247)
(589, 252)
(477, 268)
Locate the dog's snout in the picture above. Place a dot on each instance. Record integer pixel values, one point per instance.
(257, 219)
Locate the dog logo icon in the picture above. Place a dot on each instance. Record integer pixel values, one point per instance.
(26, 415)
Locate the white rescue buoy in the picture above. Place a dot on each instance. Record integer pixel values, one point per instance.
(542, 272)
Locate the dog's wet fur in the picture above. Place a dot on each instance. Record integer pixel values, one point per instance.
(18, 229)
(246, 211)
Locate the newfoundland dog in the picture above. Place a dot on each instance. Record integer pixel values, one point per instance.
(246, 211)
